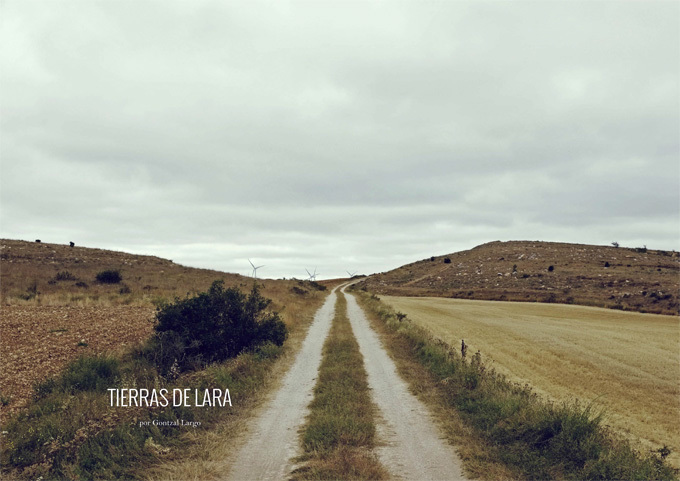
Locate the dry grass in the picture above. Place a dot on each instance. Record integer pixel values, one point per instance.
(476, 454)
(209, 454)
(38, 303)
(531, 271)
(32, 292)
(340, 432)
(627, 362)
(30, 277)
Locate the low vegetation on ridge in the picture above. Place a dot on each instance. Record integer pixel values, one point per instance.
(634, 279)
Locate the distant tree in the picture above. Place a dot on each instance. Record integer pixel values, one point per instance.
(615, 244)
(447, 261)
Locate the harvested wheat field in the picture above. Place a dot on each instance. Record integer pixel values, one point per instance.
(628, 363)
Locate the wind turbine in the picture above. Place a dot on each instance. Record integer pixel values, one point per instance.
(254, 269)
(312, 277)
(351, 274)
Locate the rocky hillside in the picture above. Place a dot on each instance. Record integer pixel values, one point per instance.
(616, 277)
(59, 274)
(54, 309)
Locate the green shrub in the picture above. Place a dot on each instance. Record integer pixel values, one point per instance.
(90, 374)
(65, 276)
(213, 326)
(109, 277)
(86, 373)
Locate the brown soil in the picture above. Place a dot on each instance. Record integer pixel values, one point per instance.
(618, 278)
(43, 319)
(37, 342)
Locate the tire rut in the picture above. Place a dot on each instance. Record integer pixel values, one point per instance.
(413, 448)
(273, 441)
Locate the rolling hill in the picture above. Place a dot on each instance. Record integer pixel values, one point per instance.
(54, 309)
(636, 279)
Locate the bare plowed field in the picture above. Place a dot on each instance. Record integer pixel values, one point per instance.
(38, 341)
(628, 363)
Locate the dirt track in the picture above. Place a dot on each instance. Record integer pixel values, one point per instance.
(410, 445)
(273, 440)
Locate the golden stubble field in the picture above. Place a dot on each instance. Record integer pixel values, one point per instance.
(628, 363)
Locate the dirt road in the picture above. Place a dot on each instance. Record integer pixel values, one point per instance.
(273, 440)
(413, 448)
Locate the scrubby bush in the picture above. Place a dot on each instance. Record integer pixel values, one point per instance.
(447, 260)
(212, 326)
(31, 291)
(65, 276)
(298, 291)
(317, 286)
(109, 277)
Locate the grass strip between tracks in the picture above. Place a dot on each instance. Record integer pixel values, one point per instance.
(503, 430)
(340, 430)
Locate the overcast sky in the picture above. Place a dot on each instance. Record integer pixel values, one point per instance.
(340, 136)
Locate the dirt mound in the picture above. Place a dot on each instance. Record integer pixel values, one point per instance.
(619, 278)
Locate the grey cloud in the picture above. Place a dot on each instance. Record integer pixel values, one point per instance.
(336, 132)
